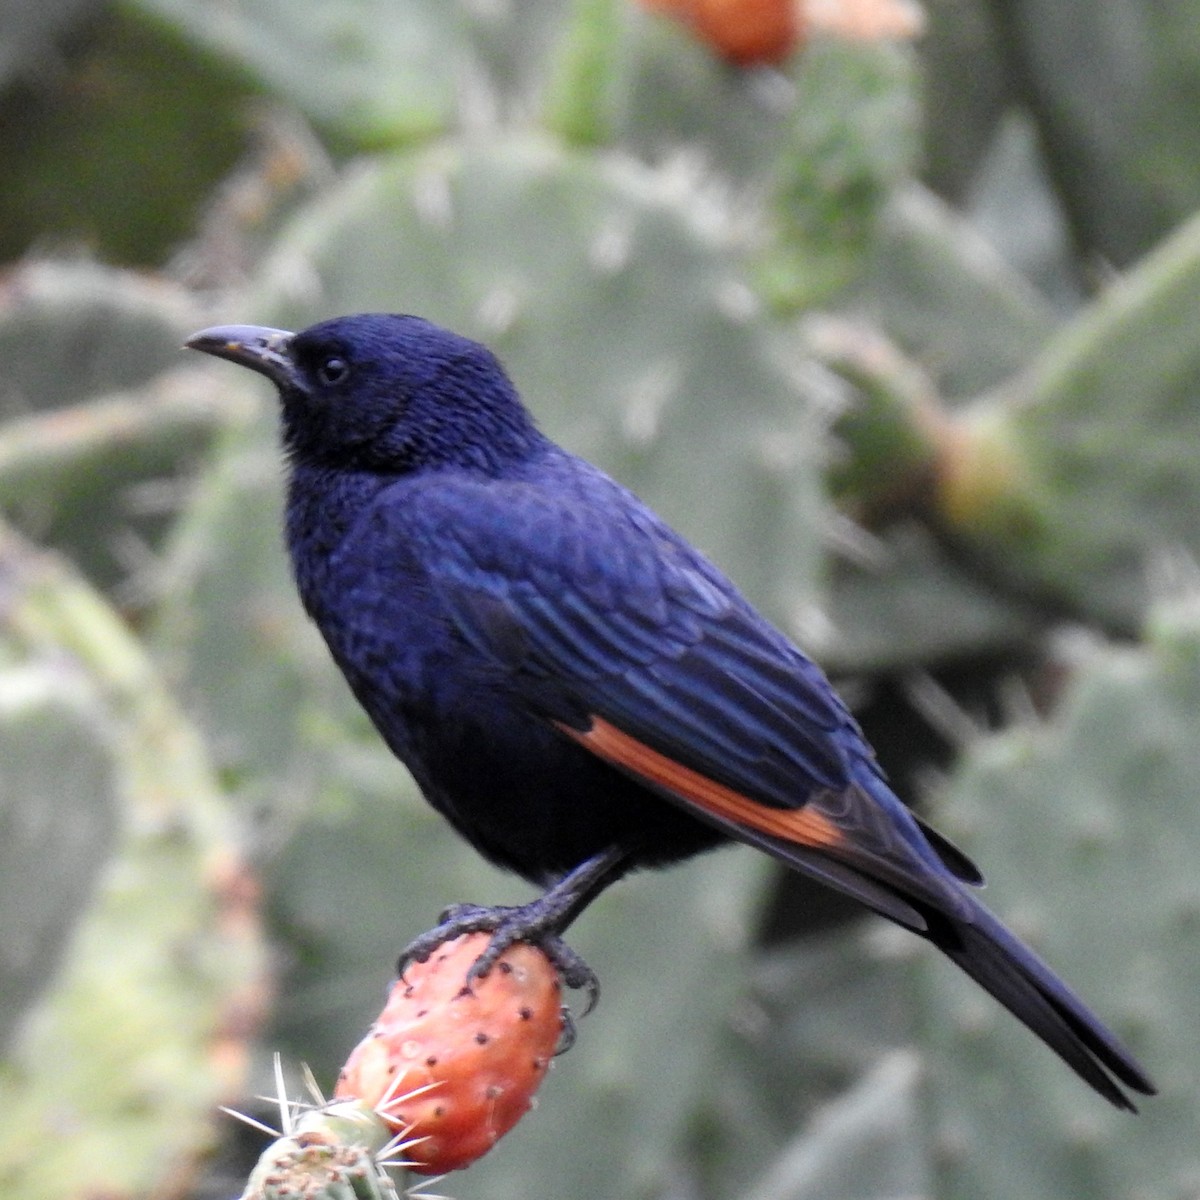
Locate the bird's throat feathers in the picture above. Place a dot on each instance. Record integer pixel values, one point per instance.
(323, 504)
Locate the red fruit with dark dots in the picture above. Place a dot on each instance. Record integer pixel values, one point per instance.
(474, 1055)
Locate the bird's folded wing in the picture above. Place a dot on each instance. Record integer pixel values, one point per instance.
(642, 653)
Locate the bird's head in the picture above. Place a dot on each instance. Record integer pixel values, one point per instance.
(382, 392)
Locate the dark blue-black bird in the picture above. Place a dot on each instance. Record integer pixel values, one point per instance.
(573, 686)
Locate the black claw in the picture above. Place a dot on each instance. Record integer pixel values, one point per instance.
(566, 1039)
(572, 970)
(531, 923)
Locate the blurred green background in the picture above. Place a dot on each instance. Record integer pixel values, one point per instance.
(901, 328)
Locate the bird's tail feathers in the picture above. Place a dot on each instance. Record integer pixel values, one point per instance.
(935, 898)
(1002, 964)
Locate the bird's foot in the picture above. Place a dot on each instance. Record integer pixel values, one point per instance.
(539, 923)
(536, 923)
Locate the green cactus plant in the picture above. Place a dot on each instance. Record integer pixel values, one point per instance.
(1041, 487)
(138, 1010)
(1059, 469)
(54, 748)
(71, 329)
(1088, 827)
(642, 233)
(374, 76)
(112, 129)
(329, 1153)
(96, 444)
(1115, 123)
(852, 139)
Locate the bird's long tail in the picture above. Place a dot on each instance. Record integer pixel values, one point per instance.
(887, 858)
(1007, 968)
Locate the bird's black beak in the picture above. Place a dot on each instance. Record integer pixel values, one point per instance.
(254, 346)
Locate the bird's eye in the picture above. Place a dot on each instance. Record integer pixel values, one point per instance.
(333, 371)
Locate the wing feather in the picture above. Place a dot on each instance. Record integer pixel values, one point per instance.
(635, 645)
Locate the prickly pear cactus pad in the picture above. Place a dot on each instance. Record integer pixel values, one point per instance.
(131, 991)
(97, 438)
(1089, 826)
(1072, 476)
(113, 330)
(373, 75)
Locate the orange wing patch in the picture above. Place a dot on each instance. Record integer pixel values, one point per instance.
(803, 825)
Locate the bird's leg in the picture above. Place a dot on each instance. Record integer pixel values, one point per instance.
(541, 923)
